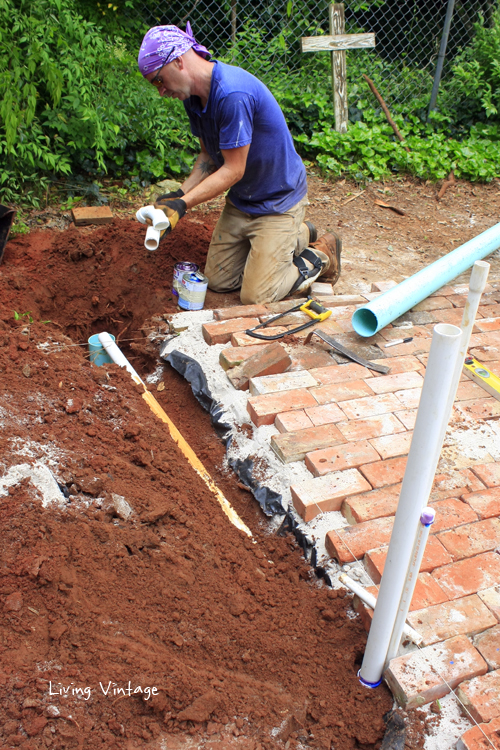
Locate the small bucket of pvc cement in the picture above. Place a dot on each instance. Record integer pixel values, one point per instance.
(192, 291)
(98, 354)
(179, 270)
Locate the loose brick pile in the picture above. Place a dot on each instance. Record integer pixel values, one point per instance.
(353, 429)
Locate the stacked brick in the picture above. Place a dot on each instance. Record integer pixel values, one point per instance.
(353, 429)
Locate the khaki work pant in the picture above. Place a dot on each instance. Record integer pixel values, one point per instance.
(256, 253)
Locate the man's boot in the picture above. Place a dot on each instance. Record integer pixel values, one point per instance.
(321, 259)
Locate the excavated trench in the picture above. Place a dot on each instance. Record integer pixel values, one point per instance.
(247, 649)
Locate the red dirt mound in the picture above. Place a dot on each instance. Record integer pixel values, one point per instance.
(243, 648)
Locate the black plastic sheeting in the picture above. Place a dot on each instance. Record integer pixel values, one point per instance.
(268, 499)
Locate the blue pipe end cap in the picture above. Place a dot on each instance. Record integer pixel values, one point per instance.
(365, 322)
(367, 684)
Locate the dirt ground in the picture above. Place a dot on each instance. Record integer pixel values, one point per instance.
(244, 647)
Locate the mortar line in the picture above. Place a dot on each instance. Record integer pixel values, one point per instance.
(452, 691)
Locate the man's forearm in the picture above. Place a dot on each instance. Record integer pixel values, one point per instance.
(214, 185)
(203, 168)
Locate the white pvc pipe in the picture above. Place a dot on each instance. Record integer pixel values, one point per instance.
(371, 601)
(118, 358)
(421, 537)
(423, 457)
(152, 239)
(477, 283)
(157, 217)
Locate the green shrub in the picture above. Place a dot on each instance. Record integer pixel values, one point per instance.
(73, 104)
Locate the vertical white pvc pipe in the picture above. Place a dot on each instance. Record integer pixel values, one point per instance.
(477, 283)
(118, 357)
(425, 449)
(422, 535)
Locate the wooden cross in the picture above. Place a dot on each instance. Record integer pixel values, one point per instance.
(337, 43)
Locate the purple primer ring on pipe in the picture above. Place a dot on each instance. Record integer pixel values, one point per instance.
(371, 685)
(428, 516)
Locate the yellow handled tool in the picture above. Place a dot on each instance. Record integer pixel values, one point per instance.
(482, 376)
(314, 309)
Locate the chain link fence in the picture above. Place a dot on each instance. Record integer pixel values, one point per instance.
(263, 36)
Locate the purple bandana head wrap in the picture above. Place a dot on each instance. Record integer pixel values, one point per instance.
(163, 44)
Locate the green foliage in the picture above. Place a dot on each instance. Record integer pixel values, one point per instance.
(73, 104)
(474, 91)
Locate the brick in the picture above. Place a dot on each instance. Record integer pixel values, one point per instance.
(471, 539)
(320, 289)
(451, 512)
(270, 360)
(284, 305)
(408, 417)
(489, 354)
(345, 456)
(488, 645)
(488, 324)
(435, 556)
(481, 696)
(374, 504)
(486, 504)
(432, 303)
(242, 339)
(426, 675)
(344, 300)
(469, 391)
(235, 355)
(466, 616)
(470, 575)
(287, 381)
(409, 399)
(419, 345)
(292, 421)
(391, 446)
(491, 311)
(294, 319)
(400, 364)
(305, 358)
(383, 286)
(488, 473)
(452, 317)
(455, 484)
(264, 409)
(348, 544)
(482, 408)
(240, 311)
(341, 311)
(293, 446)
(383, 473)
(338, 392)
(324, 494)
(339, 373)
(491, 597)
(364, 429)
(91, 215)
(396, 382)
(474, 738)
(445, 291)
(359, 408)
(220, 331)
(396, 332)
(325, 414)
(464, 289)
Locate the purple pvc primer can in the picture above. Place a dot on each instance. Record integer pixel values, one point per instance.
(179, 270)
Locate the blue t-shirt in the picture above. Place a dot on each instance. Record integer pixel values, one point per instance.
(240, 110)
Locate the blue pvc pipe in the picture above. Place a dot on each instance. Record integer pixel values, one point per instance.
(381, 311)
(98, 354)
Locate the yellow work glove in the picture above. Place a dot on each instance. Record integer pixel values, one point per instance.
(174, 210)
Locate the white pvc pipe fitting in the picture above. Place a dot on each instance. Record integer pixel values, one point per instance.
(152, 239)
(371, 601)
(157, 217)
